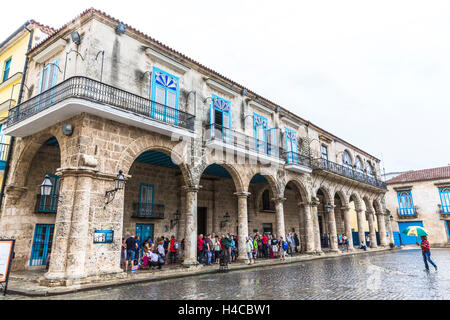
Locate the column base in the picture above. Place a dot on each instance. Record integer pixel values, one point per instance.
(319, 252)
(309, 252)
(335, 250)
(189, 264)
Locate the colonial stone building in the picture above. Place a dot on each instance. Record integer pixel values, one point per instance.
(200, 153)
(421, 198)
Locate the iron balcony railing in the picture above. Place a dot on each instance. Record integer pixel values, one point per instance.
(46, 204)
(92, 90)
(405, 213)
(297, 158)
(444, 209)
(4, 148)
(324, 164)
(238, 139)
(148, 210)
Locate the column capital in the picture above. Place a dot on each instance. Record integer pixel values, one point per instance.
(242, 194)
(370, 211)
(278, 199)
(379, 212)
(344, 208)
(193, 188)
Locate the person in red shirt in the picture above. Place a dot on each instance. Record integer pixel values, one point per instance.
(200, 244)
(173, 248)
(265, 240)
(425, 245)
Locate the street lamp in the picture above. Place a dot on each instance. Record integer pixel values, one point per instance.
(119, 184)
(46, 186)
(175, 220)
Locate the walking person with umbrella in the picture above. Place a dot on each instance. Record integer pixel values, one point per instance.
(425, 245)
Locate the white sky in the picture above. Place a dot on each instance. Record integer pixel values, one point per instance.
(376, 74)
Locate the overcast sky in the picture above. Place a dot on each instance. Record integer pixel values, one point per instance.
(376, 74)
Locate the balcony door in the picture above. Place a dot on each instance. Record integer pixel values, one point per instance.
(291, 146)
(146, 200)
(165, 96)
(260, 129)
(220, 118)
(144, 231)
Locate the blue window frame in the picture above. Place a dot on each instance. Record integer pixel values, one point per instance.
(48, 203)
(358, 165)
(3, 148)
(165, 90)
(220, 117)
(324, 152)
(291, 145)
(405, 203)
(146, 193)
(6, 69)
(260, 129)
(272, 138)
(49, 76)
(444, 193)
(42, 244)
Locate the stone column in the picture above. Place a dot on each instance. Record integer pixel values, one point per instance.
(243, 224)
(79, 229)
(361, 233)
(382, 229)
(280, 217)
(316, 228)
(348, 227)
(332, 230)
(57, 268)
(309, 228)
(190, 240)
(372, 233)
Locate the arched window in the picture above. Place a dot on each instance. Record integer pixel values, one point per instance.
(369, 169)
(346, 159)
(358, 164)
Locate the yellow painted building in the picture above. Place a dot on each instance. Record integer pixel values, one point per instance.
(12, 63)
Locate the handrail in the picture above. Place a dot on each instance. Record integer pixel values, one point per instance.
(93, 90)
(217, 132)
(297, 158)
(324, 164)
(148, 210)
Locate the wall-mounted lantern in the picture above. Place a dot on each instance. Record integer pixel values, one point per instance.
(119, 184)
(226, 219)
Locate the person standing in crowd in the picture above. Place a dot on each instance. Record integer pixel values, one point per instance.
(255, 246)
(233, 248)
(131, 252)
(227, 246)
(161, 251)
(249, 249)
(213, 251)
(173, 250)
(216, 249)
(339, 240)
(368, 241)
(200, 245)
(209, 249)
(265, 242)
(426, 254)
(123, 253)
(297, 242)
(345, 240)
(138, 251)
(274, 242)
(283, 246)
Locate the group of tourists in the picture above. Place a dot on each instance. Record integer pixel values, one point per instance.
(212, 249)
(149, 254)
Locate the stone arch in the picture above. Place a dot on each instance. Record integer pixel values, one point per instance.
(300, 187)
(326, 191)
(232, 170)
(358, 203)
(377, 206)
(352, 157)
(272, 181)
(146, 143)
(342, 196)
(21, 169)
(368, 204)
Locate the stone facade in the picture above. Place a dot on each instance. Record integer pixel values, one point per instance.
(311, 202)
(428, 208)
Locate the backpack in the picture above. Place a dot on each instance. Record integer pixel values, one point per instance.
(175, 245)
(285, 245)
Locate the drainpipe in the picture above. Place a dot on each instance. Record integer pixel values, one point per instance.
(19, 100)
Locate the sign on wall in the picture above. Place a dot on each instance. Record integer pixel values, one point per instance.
(103, 236)
(6, 256)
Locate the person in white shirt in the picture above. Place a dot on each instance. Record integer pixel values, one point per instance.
(154, 259)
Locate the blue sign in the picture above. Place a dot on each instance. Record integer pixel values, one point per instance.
(103, 236)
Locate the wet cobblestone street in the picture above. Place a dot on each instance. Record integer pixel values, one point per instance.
(381, 276)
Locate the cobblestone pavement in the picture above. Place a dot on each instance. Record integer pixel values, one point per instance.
(380, 276)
